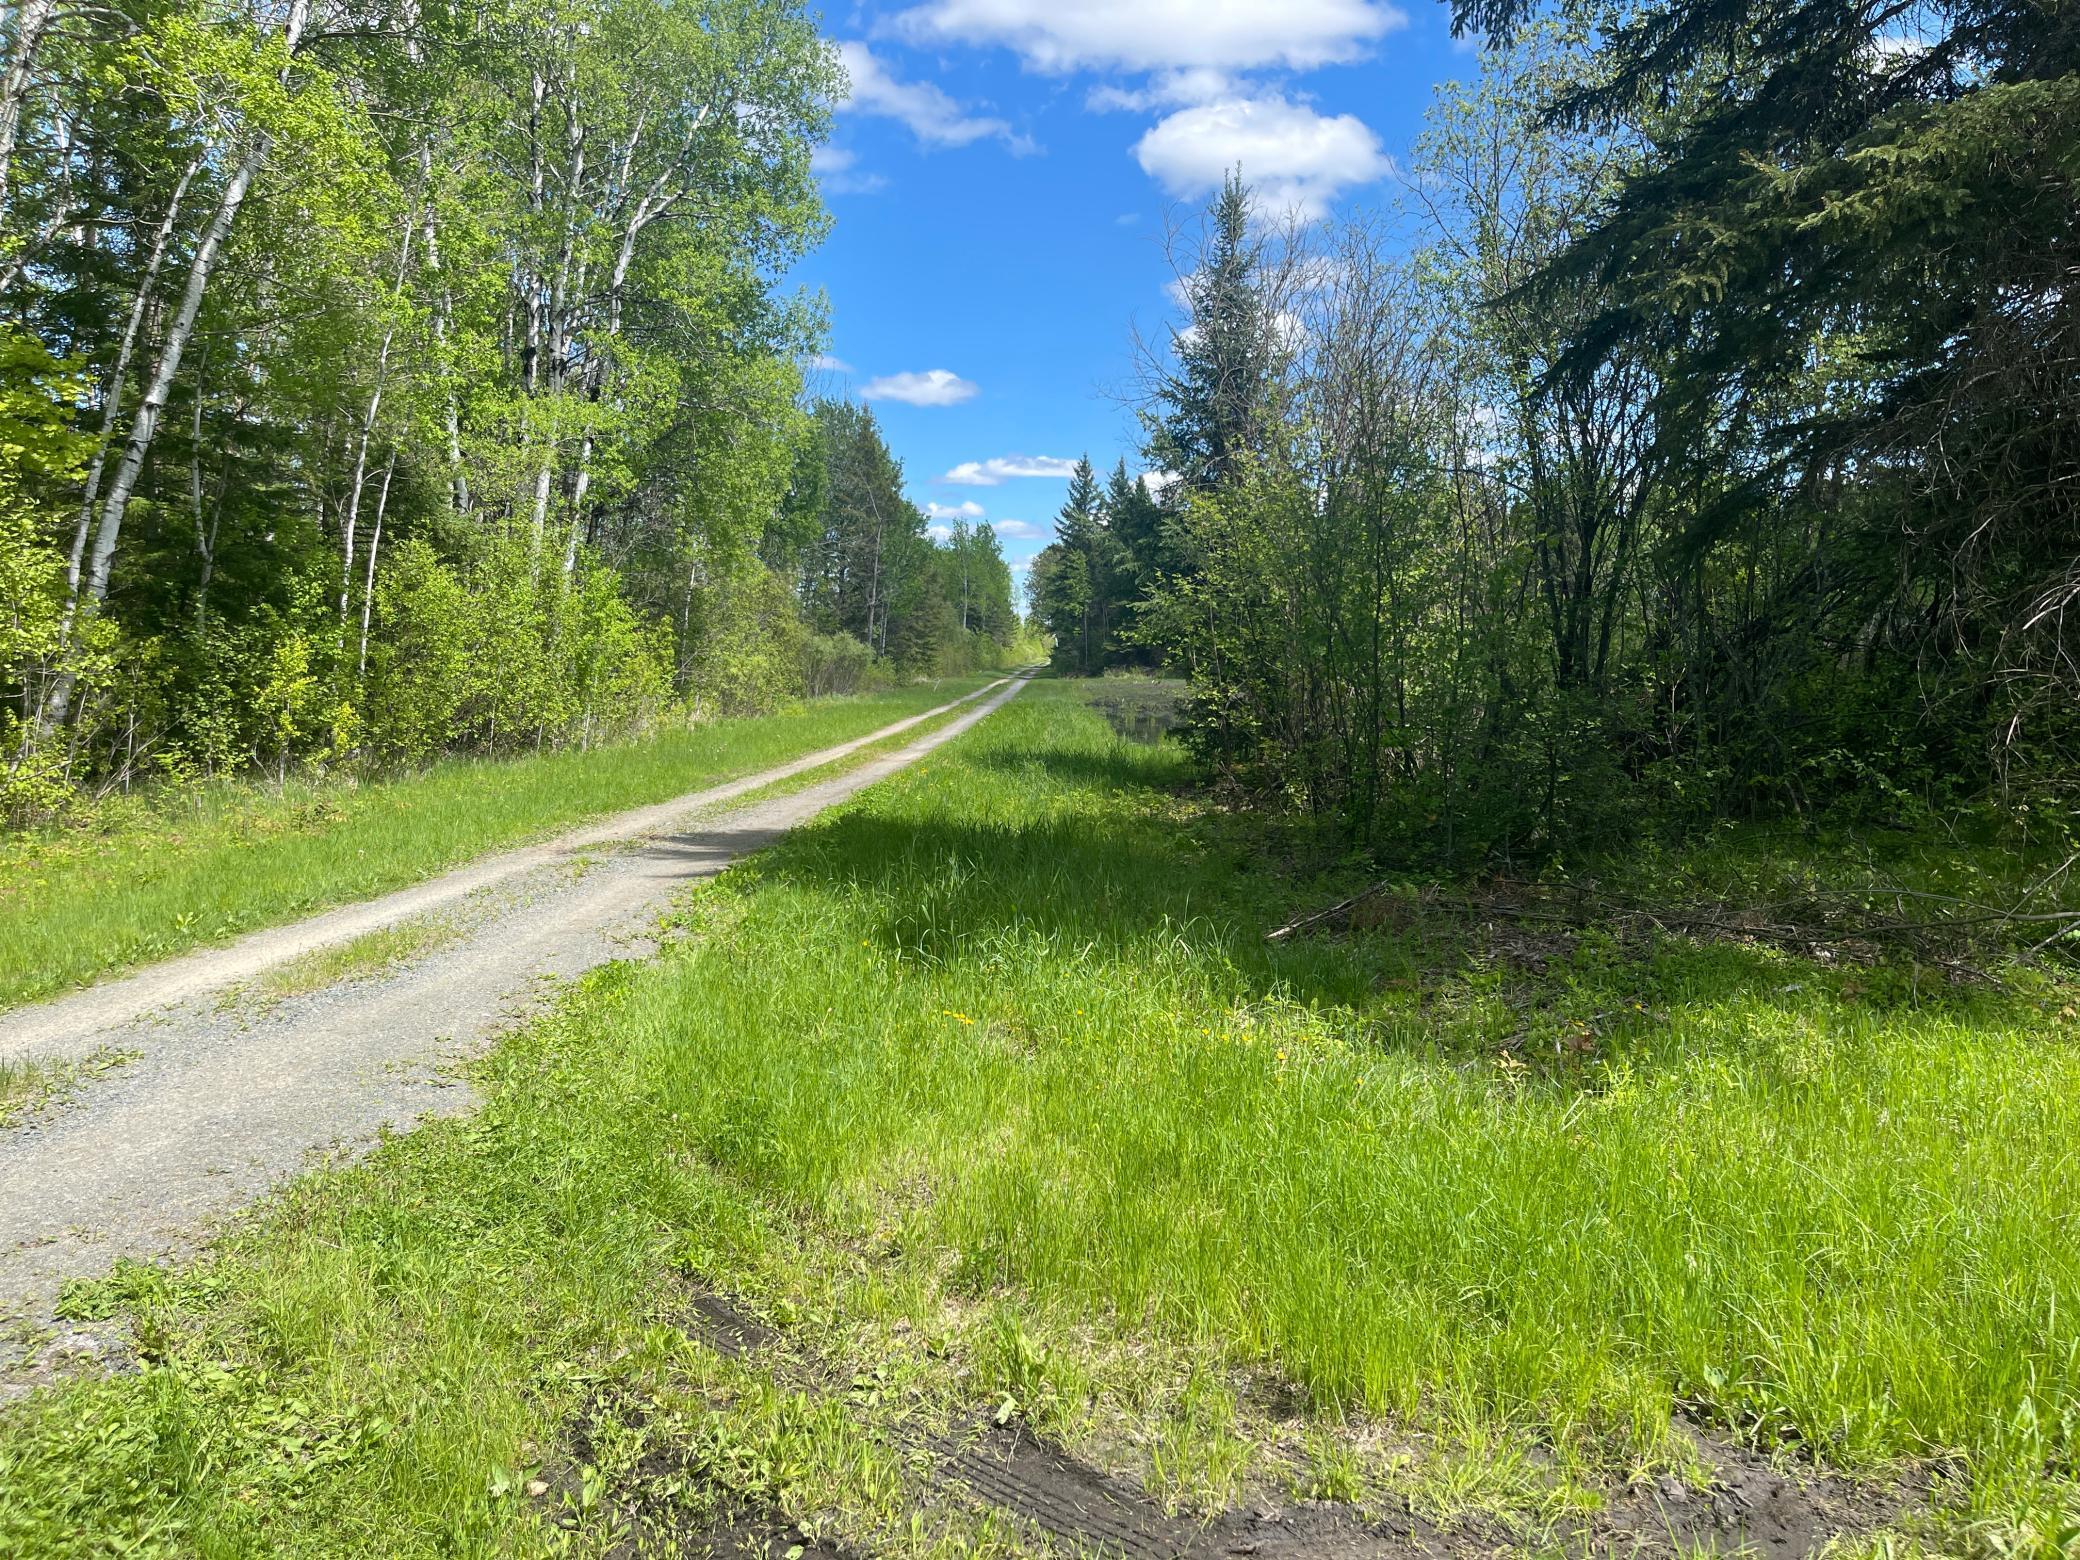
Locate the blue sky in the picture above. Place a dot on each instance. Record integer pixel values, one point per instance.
(1001, 181)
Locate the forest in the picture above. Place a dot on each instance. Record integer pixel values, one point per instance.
(1693, 438)
(390, 380)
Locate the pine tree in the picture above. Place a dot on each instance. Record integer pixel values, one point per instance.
(1075, 605)
(1209, 410)
(1134, 521)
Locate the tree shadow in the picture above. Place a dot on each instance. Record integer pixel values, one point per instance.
(1129, 884)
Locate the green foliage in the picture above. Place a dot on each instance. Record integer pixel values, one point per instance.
(1089, 585)
(328, 503)
(1846, 243)
(1532, 545)
(1540, 1219)
(755, 650)
(495, 657)
(869, 569)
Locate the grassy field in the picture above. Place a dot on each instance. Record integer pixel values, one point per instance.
(79, 904)
(988, 1093)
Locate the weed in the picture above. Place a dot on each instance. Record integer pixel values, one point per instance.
(29, 1084)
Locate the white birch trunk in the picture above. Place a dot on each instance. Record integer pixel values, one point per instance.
(146, 424)
(368, 588)
(32, 20)
(352, 519)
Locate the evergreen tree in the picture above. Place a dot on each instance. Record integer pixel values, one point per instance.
(1208, 411)
(1880, 198)
(1077, 607)
(1136, 524)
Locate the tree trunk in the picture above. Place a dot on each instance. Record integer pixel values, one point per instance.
(352, 518)
(118, 377)
(368, 588)
(146, 423)
(32, 20)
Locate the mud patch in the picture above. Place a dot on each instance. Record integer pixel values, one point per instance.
(1323, 1530)
(719, 1323)
(659, 1503)
(1751, 1507)
(1010, 1467)
(1093, 1512)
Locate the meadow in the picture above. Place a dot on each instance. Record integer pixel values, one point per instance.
(989, 1095)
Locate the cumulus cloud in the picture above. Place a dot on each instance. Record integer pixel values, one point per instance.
(1170, 89)
(966, 509)
(1001, 468)
(1158, 480)
(837, 170)
(933, 387)
(929, 113)
(939, 533)
(1294, 158)
(1159, 35)
(1016, 529)
(824, 363)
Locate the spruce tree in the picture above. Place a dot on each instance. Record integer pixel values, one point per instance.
(1209, 410)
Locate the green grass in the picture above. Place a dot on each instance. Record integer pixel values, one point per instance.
(28, 1084)
(988, 1088)
(373, 953)
(76, 905)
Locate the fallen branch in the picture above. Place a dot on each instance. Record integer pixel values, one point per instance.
(1341, 907)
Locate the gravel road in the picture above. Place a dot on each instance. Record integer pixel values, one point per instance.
(226, 1096)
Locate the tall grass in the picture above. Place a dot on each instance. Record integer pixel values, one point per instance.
(1816, 1205)
(1004, 1033)
(79, 904)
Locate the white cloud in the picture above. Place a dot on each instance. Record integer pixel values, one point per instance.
(966, 509)
(1063, 35)
(824, 363)
(1293, 158)
(837, 171)
(941, 534)
(932, 116)
(1016, 529)
(1158, 480)
(1170, 89)
(1000, 468)
(933, 387)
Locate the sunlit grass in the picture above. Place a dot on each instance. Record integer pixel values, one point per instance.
(1822, 1206)
(988, 1085)
(29, 1084)
(79, 904)
(373, 953)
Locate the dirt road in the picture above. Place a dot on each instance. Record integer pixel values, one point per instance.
(223, 1097)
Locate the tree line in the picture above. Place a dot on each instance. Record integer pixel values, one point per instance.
(380, 378)
(1694, 437)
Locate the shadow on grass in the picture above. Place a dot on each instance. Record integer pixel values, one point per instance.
(1128, 884)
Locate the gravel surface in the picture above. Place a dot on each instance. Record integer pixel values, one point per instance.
(225, 1098)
